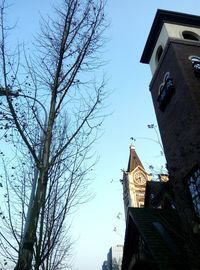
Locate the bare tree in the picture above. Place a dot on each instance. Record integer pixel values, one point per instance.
(156, 172)
(50, 112)
(53, 243)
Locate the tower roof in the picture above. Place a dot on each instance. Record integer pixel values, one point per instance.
(161, 17)
(134, 160)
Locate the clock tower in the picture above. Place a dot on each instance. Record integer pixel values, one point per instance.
(173, 52)
(134, 182)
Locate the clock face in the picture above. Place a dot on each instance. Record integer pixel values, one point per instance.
(140, 178)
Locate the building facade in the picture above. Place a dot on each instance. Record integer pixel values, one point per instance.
(165, 234)
(114, 258)
(105, 265)
(134, 182)
(173, 52)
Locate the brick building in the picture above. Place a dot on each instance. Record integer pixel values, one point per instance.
(166, 233)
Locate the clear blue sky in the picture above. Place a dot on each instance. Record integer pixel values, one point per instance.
(132, 110)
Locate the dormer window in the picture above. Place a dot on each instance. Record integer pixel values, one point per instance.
(190, 35)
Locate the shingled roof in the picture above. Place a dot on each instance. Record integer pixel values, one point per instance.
(160, 231)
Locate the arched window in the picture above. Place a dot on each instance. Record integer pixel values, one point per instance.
(165, 91)
(160, 89)
(195, 60)
(190, 35)
(159, 53)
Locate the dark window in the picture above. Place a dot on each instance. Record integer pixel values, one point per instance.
(194, 187)
(190, 35)
(196, 64)
(165, 92)
(159, 53)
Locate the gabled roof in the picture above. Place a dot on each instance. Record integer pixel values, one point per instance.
(134, 160)
(161, 17)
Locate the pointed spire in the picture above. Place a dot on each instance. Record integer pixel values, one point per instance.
(134, 160)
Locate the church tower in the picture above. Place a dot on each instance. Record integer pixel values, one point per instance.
(134, 181)
(173, 52)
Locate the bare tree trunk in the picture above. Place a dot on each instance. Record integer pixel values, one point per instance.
(26, 252)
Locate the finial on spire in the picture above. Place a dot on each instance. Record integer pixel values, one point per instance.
(132, 147)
